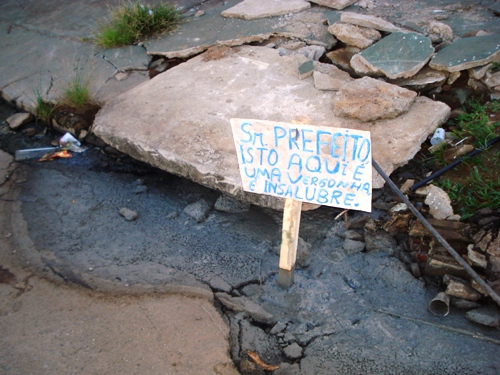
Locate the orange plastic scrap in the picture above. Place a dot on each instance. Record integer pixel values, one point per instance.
(64, 154)
(259, 362)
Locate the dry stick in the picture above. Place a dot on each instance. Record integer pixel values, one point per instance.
(435, 233)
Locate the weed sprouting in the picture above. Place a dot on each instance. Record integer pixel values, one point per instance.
(133, 21)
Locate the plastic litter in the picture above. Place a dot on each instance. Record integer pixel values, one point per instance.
(438, 136)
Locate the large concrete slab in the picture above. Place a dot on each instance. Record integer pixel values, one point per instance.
(253, 9)
(179, 121)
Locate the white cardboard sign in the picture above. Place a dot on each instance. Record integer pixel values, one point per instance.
(316, 164)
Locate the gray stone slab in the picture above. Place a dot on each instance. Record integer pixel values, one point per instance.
(253, 9)
(399, 55)
(366, 20)
(197, 34)
(467, 53)
(179, 120)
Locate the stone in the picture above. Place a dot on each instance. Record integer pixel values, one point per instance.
(199, 13)
(5, 162)
(492, 79)
(353, 235)
(488, 316)
(369, 21)
(463, 304)
(306, 69)
(200, 144)
(341, 57)
(226, 203)
(218, 284)
(253, 9)
(243, 304)
(303, 253)
(335, 4)
(121, 76)
(198, 210)
(311, 52)
(467, 53)
(453, 77)
(426, 78)
(462, 289)
(369, 99)
(479, 71)
(399, 55)
(19, 119)
(405, 188)
(439, 203)
(439, 32)
(293, 351)
(454, 153)
(353, 246)
(357, 36)
(278, 327)
(128, 214)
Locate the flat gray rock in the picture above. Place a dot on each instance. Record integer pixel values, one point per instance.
(399, 55)
(369, 99)
(253, 9)
(425, 78)
(163, 122)
(19, 119)
(467, 53)
(356, 36)
(366, 20)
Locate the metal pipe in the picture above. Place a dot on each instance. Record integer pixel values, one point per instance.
(452, 165)
(440, 238)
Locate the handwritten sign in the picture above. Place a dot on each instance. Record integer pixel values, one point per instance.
(317, 164)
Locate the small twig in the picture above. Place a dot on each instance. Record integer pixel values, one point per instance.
(345, 217)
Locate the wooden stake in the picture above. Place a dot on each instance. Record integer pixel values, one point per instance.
(289, 241)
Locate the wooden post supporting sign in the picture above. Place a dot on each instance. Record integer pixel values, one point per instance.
(289, 241)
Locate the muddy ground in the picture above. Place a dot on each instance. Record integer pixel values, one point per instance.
(348, 312)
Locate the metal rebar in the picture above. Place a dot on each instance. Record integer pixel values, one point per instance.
(440, 238)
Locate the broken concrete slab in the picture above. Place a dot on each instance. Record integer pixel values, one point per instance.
(356, 36)
(368, 21)
(196, 35)
(155, 121)
(399, 55)
(253, 9)
(424, 79)
(369, 99)
(335, 4)
(467, 53)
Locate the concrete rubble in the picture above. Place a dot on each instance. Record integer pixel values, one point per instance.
(253, 9)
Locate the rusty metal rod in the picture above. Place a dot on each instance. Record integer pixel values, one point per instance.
(435, 233)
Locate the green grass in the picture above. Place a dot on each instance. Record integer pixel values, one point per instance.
(135, 21)
(475, 122)
(44, 109)
(479, 192)
(77, 93)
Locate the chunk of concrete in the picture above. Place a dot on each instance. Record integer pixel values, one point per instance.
(424, 79)
(399, 55)
(362, 67)
(156, 123)
(19, 119)
(357, 36)
(335, 4)
(253, 9)
(467, 53)
(487, 315)
(439, 32)
(439, 203)
(369, 99)
(367, 20)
